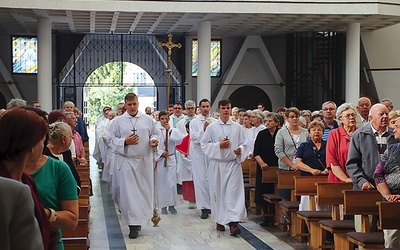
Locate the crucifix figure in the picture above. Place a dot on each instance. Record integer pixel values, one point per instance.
(170, 45)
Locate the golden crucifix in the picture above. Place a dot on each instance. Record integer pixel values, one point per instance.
(170, 45)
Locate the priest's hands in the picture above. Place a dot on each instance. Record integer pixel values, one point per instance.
(132, 139)
(154, 143)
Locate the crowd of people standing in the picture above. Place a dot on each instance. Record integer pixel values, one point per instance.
(148, 158)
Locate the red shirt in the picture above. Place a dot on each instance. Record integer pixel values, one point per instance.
(336, 152)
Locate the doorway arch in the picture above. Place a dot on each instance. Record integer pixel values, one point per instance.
(248, 97)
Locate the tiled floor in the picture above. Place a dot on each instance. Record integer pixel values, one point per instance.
(185, 230)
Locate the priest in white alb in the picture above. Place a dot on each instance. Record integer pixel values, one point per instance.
(133, 138)
(224, 142)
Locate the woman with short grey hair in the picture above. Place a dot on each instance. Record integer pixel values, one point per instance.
(339, 143)
(344, 107)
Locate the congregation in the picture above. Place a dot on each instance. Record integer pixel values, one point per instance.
(149, 158)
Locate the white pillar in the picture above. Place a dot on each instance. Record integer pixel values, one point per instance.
(44, 64)
(188, 69)
(353, 62)
(204, 77)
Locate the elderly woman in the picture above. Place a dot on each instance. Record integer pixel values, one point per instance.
(265, 156)
(310, 157)
(78, 143)
(56, 184)
(18, 147)
(339, 143)
(387, 176)
(257, 120)
(393, 115)
(307, 116)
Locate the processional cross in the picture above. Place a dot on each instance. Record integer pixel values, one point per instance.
(170, 45)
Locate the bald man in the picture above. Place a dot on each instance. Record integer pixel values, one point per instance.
(363, 107)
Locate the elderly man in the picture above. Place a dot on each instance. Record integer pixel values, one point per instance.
(388, 103)
(190, 107)
(367, 146)
(363, 107)
(329, 114)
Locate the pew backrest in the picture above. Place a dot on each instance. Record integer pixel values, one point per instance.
(389, 215)
(361, 202)
(286, 179)
(270, 175)
(331, 193)
(305, 185)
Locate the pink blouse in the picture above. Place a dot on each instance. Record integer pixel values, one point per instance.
(78, 143)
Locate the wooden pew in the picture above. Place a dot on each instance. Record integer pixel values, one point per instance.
(81, 230)
(253, 207)
(78, 243)
(249, 183)
(270, 176)
(306, 185)
(389, 215)
(289, 208)
(363, 202)
(332, 194)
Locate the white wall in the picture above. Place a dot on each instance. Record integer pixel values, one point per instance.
(383, 51)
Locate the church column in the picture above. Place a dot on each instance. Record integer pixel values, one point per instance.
(204, 78)
(44, 64)
(353, 62)
(188, 69)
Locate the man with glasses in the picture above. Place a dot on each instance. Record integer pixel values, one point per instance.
(329, 115)
(177, 115)
(179, 128)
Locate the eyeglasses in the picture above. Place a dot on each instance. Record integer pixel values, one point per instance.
(293, 116)
(328, 109)
(190, 108)
(348, 116)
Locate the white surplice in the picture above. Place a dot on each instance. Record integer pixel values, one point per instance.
(199, 163)
(133, 183)
(180, 126)
(108, 155)
(182, 160)
(227, 200)
(96, 151)
(166, 175)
